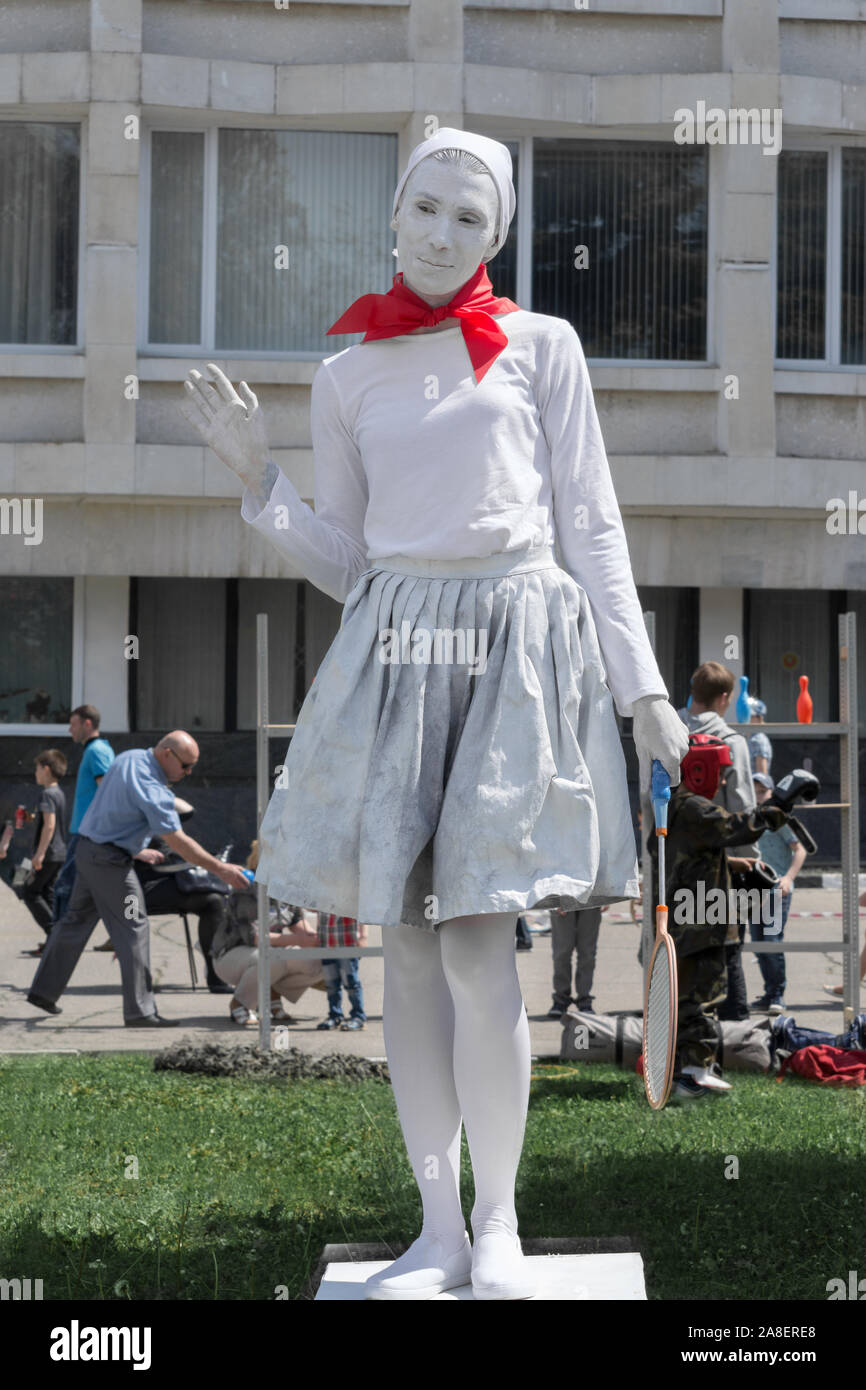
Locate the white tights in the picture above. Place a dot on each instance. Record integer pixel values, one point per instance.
(457, 1040)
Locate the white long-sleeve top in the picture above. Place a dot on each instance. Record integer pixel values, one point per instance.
(413, 457)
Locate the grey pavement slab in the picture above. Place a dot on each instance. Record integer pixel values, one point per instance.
(92, 1020)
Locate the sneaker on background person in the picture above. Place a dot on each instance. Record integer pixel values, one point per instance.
(709, 1077)
(685, 1089)
(242, 1016)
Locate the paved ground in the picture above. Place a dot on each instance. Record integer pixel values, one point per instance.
(92, 1018)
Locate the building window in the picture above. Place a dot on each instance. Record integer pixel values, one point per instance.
(180, 671)
(176, 210)
(801, 241)
(39, 176)
(322, 621)
(640, 211)
(302, 624)
(278, 599)
(791, 633)
(222, 205)
(821, 257)
(36, 651)
(852, 346)
(855, 603)
(502, 270)
(197, 663)
(676, 635)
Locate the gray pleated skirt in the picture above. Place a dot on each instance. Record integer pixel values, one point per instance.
(458, 752)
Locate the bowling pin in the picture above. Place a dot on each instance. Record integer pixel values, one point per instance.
(804, 702)
(744, 709)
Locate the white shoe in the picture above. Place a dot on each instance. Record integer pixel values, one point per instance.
(244, 1017)
(499, 1268)
(711, 1077)
(425, 1270)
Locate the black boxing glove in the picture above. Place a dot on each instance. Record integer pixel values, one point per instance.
(760, 876)
(798, 785)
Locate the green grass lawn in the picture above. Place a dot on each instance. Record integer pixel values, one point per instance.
(241, 1182)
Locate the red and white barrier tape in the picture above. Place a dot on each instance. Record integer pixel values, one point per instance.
(623, 917)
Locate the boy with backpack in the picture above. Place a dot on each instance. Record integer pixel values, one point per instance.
(699, 832)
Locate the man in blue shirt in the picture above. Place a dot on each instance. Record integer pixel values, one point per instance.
(134, 802)
(98, 757)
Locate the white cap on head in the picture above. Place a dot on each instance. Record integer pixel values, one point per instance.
(494, 155)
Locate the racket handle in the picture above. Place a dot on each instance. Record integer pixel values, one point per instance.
(661, 795)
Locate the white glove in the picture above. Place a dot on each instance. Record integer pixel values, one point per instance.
(232, 424)
(658, 733)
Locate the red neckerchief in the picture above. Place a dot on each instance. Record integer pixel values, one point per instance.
(401, 310)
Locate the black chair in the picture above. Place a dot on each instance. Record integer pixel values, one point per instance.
(152, 874)
(190, 953)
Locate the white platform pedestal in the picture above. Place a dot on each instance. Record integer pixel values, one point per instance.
(589, 1277)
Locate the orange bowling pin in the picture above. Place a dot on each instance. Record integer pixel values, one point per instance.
(804, 702)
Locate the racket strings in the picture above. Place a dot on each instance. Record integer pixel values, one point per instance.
(658, 1025)
(660, 1019)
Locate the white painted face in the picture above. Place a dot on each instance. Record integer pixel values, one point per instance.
(445, 224)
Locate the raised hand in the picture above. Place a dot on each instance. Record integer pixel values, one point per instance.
(658, 733)
(232, 424)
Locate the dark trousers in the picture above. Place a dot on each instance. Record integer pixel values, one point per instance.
(772, 963)
(523, 935)
(574, 934)
(38, 893)
(210, 908)
(65, 880)
(701, 981)
(106, 886)
(736, 1006)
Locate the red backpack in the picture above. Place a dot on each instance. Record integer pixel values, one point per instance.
(834, 1066)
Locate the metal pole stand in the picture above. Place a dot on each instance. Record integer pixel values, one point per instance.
(850, 790)
(262, 786)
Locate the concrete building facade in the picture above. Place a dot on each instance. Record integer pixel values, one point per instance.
(718, 285)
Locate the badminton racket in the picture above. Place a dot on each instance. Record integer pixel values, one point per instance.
(660, 1001)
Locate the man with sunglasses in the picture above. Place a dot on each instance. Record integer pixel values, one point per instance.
(133, 803)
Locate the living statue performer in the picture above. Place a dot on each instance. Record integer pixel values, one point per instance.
(458, 754)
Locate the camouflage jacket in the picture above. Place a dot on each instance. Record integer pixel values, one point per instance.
(698, 833)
